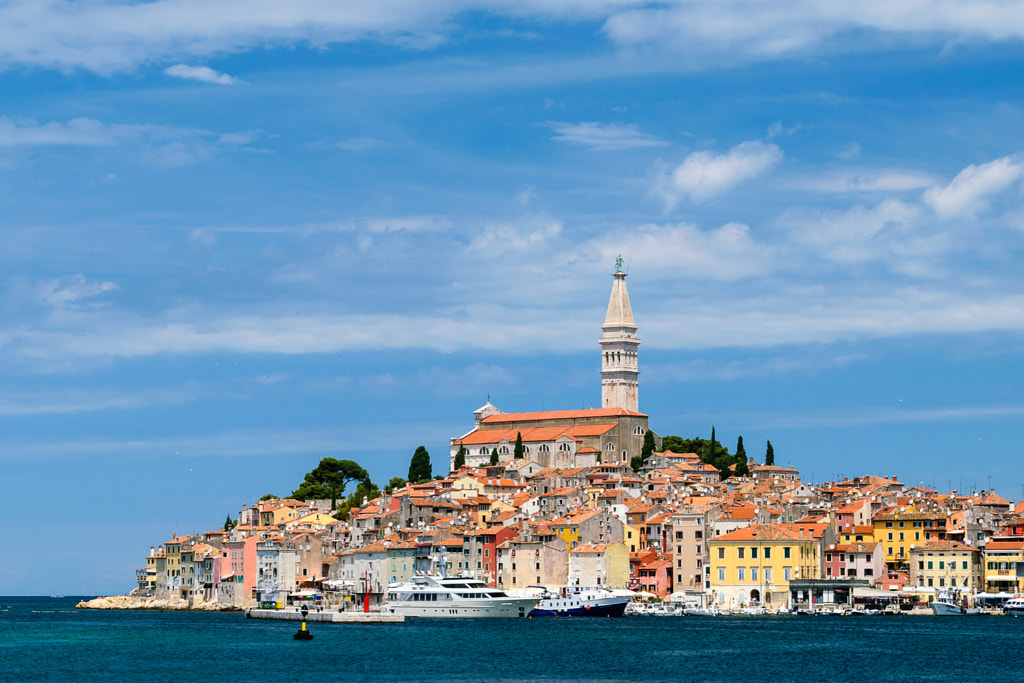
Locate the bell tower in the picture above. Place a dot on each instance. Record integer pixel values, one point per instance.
(620, 371)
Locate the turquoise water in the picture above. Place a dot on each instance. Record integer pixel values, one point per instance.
(47, 639)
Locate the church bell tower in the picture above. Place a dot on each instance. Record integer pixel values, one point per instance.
(620, 372)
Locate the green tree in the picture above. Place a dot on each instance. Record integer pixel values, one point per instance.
(769, 456)
(648, 446)
(742, 469)
(366, 490)
(269, 496)
(394, 483)
(328, 480)
(494, 456)
(460, 458)
(637, 462)
(419, 466)
(228, 524)
(519, 452)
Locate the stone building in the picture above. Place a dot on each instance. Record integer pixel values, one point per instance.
(574, 438)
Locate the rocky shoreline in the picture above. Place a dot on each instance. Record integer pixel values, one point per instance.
(142, 603)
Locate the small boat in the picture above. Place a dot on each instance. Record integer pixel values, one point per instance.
(581, 601)
(947, 603)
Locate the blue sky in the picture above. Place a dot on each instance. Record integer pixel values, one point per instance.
(238, 237)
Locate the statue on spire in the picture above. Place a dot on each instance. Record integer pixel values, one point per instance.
(618, 263)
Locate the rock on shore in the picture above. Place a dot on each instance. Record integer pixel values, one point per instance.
(136, 602)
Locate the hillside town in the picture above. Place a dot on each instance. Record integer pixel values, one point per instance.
(594, 497)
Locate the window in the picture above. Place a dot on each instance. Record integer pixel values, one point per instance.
(888, 525)
(753, 574)
(767, 554)
(564, 447)
(890, 536)
(639, 431)
(965, 564)
(767, 574)
(901, 535)
(917, 535)
(721, 553)
(942, 564)
(609, 446)
(503, 450)
(741, 573)
(785, 554)
(787, 573)
(929, 564)
(721, 574)
(753, 553)
(543, 448)
(739, 552)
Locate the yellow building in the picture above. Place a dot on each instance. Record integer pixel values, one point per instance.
(754, 565)
(1002, 556)
(946, 564)
(899, 530)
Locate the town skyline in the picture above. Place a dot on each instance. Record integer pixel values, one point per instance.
(233, 245)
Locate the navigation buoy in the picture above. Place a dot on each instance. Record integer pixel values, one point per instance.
(302, 633)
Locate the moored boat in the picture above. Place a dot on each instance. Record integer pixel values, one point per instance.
(453, 598)
(581, 601)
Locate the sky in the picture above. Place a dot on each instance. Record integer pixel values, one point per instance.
(240, 236)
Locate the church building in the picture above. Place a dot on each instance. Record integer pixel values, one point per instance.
(575, 438)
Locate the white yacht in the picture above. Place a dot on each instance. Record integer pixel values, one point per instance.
(1014, 606)
(456, 598)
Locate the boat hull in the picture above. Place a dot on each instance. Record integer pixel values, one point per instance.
(945, 609)
(511, 608)
(608, 609)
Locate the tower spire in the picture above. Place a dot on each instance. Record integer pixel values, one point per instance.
(620, 371)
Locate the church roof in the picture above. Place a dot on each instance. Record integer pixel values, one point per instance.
(560, 415)
(479, 436)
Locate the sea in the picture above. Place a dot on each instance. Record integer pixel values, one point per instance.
(47, 639)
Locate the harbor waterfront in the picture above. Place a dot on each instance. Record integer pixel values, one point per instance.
(47, 639)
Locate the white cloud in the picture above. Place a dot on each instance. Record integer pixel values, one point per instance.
(973, 188)
(725, 253)
(203, 74)
(850, 235)
(162, 146)
(67, 291)
(705, 175)
(69, 401)
(500, 237)
(107, 36)
(604, 137)
(737, 29)
(863, 181)
(203, 237)
(80, 131)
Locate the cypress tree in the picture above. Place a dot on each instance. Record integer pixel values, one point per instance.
(494, 456)
(460, 458)
(769, 456)
(648, 446)
(519, 453)
(419, 466)
(742, 470)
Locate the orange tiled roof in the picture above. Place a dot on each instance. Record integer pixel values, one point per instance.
(560, 415)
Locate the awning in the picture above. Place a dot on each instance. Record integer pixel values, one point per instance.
(866, 592)
(623, 593)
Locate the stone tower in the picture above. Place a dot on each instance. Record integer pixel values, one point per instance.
(620, 372)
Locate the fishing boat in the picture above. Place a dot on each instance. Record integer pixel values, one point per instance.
(948, 603)
(580, 601)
